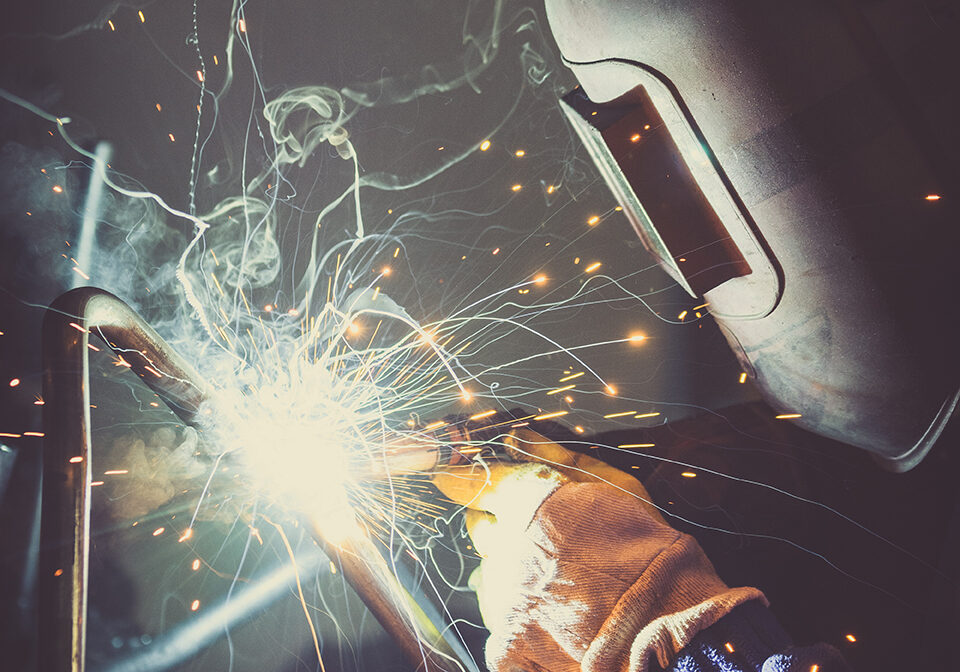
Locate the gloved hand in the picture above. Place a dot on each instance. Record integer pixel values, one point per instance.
(579, 574)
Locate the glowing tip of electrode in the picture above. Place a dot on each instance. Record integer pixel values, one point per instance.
(187, 534)
(540, 279)
(611, 389)
(386, 270)
(485, 145)
(466, 395)
(353, 328)
(637, 338)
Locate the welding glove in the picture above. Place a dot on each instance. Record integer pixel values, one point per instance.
(579, 571)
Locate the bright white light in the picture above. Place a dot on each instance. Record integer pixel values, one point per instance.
(294, 439)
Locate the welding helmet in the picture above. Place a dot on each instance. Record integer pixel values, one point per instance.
(791, 164)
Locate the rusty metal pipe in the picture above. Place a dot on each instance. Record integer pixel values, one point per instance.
(65, 518)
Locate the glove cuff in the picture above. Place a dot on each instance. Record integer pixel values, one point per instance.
(677, 596)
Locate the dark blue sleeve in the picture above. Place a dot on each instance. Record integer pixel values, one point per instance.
(749, 639)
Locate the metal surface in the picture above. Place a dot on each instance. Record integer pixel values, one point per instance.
(67, 454)
(822, 127)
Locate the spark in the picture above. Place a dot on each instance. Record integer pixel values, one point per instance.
(743, 377)
(33, 434)
(187, 534)
(195, 565)
(14, 382)
(142, 18)
(688, 474)
(160, 530)
(520, 153)
(619, 414)
(561, 389)
(682, 315)
(242, 25)
(932, 197)
(578, 429)
(172, 139)
(516, 187)
(200, 75)
(435, 425)
(484, 414)
(110, 23)
(851, 638)
(592, 267)
(57, 189)
(593, 221)
(635, 137)
(550, 189)
(194, 605)
(571, 377)
(546, 416)
(647, 415)
(636, 445)
(485, 145)
(788, 416)
(9, 435)
(729, 647)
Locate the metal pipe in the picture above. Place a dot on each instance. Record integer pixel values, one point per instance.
(65, 522)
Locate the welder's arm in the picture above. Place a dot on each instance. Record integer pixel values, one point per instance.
(581, 574)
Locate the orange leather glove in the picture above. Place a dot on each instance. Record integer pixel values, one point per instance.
(578, 573)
